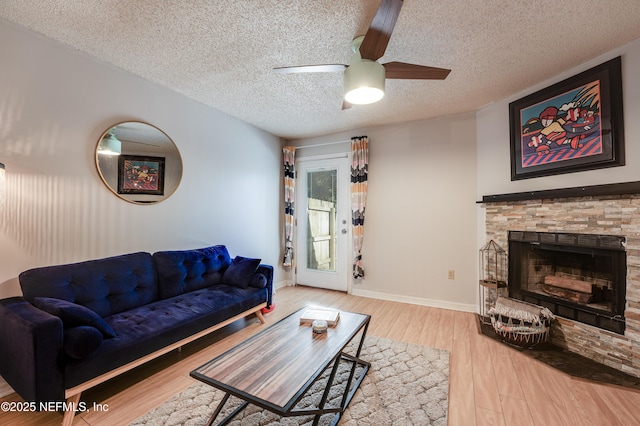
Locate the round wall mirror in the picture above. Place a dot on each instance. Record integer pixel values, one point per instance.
(138, 162)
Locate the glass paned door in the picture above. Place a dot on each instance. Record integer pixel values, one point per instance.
(321, 217)
(323, 226)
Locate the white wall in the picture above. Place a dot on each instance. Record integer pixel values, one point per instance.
(55, 104)
(421, 215)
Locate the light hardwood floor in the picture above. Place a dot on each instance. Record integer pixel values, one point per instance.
(490, 383)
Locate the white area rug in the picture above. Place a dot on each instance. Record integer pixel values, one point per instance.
(406, 385)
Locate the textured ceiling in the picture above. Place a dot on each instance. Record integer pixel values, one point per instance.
(221, 52)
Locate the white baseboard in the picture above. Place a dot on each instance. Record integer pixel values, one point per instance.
(416, 300)
(285, 283)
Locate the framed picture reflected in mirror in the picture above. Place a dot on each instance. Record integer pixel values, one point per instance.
(140, 175)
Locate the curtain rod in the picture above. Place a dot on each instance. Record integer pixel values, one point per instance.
(322, 144)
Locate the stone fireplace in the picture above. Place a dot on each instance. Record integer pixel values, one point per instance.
(604, 326)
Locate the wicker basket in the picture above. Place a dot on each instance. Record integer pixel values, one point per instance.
(520, 323)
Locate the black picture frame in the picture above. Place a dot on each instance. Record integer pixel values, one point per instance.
(140, 175)
(571, 126)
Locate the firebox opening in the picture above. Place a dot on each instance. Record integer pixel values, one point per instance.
(583, 278)
(579, 278)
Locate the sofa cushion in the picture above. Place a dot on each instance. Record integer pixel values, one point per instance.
(81, 342)
(73, 315)
(154, 326)
(183, 271)
(106, 286)
(240, 272)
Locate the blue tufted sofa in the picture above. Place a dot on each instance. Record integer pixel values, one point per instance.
(80, 324)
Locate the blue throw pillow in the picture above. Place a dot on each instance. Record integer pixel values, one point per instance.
(240, 272)
(81, 342)
(73, 315)
(258, 281)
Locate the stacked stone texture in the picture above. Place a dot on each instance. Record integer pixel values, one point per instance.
(607, 215)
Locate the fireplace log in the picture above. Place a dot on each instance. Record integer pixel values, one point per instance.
(563, 293)
(569, 283)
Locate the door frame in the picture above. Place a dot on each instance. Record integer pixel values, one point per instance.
(301, 210)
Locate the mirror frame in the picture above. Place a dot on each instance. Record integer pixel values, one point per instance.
(147, 198)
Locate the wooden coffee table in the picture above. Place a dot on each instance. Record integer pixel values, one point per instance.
(274, 368)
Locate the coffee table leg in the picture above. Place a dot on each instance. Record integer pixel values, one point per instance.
(364, 334)
(325, 395)
(349, 392)
(346, 398)
(220, 405)
(230, 416)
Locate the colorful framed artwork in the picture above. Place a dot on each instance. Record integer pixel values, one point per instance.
(571, 126)
(140, 175)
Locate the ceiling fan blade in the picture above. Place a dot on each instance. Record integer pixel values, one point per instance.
(401, 70)
(312, 68)
(377, 37)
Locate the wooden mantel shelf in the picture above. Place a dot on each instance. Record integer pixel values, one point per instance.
(625, 188)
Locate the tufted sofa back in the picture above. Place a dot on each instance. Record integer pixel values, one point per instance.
(106, 286)
(183, 271)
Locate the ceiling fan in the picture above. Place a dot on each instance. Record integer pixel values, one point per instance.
(364, 77)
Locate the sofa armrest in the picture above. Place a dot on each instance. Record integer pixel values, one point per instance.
(267, 271)
(31, 342)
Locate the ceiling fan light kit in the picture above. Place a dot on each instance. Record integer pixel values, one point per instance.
(364, 82)
(364, 77)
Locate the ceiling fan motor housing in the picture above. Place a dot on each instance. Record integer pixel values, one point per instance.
(364, 78)
(364, 82)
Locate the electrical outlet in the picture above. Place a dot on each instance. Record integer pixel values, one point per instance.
(452, 274)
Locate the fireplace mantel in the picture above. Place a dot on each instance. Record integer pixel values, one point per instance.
(625, 188)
